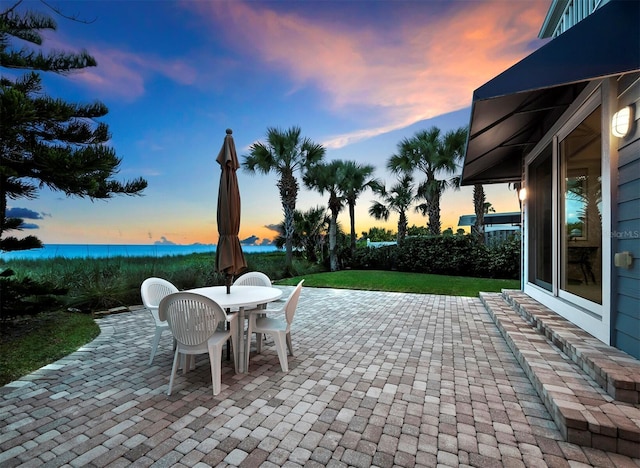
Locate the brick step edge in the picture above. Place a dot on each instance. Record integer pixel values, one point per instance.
(617, 372)
(582, 411)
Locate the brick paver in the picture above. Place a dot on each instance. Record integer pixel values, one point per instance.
(378, 379)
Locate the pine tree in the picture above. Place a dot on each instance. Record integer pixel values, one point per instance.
(45, 141)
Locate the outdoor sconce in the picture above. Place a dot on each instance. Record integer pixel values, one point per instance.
(522, 194)
(621, 122)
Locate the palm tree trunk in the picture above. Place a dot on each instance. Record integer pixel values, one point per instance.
(402, 227)
(333, 235)
(288, 194)
(3, 204)
(352, 216)
(433, 208)
(288, 234)
(478, 205)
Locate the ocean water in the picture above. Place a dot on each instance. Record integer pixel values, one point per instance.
(115, 250)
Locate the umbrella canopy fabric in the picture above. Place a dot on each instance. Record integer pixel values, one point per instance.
(229, 257)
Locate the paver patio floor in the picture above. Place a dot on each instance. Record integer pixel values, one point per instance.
(378, 379)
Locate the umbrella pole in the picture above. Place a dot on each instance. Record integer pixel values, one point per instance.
(228, 279)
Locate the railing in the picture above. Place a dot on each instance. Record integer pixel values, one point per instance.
(575, 11)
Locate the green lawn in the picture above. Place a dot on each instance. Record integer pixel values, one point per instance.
(374, 280)
(33, 342)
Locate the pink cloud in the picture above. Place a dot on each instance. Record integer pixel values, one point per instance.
(428, 67)
(124, 74)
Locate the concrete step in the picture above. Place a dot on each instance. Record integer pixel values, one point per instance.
(583, 411)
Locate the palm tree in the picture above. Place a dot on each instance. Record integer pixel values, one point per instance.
(329, 178)
(356, 179)
(311, 227)
(516, 186)
(488, 208)
(434, 155)
(284, 153)
(378, 234)
(399, 198)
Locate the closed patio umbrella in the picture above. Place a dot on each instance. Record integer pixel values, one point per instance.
(229, 257)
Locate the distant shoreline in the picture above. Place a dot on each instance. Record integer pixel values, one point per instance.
(121, 250)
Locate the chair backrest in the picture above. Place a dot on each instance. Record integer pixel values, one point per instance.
(292, 303)
(192, 318)
(153, 290)
(253, 278)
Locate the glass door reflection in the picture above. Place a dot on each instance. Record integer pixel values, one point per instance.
(581, 220)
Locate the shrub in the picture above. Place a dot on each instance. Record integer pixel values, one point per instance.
(24, 296)
(372, 258)
(454, 255)
(506, 259)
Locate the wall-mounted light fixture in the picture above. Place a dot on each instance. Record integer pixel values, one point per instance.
(522, 194)
(621, 122)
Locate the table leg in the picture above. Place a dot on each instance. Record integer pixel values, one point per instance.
(228, 311)
(242, 354)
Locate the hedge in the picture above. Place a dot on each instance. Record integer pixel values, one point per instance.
(457, 255)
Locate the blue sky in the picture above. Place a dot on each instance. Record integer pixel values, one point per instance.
(356, 76)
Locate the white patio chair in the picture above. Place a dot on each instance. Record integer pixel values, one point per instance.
(278, 328)
(153, 290)
(193, 320)
(253, 278)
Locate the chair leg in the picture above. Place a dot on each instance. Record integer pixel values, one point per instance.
(215, 355)
(189, 363)
(279, 341)
(228, 344)
(154, 344)
(173, 370)
(234, 344)
(258, 343)
(248, 340)
(289, 344)
(236, 358)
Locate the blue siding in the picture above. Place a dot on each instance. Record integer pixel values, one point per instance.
(626, 237)
(629, 191)
(628, 343)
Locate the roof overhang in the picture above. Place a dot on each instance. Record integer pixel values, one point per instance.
(513, 111)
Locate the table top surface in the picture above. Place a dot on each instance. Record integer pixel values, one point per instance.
(240, 296)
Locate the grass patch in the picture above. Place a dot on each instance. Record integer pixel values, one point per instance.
(32, 342)
(375, 280)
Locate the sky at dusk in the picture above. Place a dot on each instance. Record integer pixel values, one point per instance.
(355, 76)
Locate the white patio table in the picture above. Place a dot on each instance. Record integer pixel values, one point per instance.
(240, 298)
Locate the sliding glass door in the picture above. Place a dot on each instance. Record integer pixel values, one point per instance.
(580, 156)
(564, 215)
(541, 220)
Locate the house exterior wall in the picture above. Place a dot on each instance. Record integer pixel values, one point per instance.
(626, 232)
